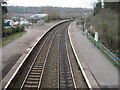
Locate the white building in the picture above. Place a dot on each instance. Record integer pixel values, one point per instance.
(38, 16)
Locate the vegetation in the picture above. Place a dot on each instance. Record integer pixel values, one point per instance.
(98, 8)
(11, 30)
(52, 14)
(105, 22)
(112, 5)
(12, 37)
(36, 10)
(10, 33)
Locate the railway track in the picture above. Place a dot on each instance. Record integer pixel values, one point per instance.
(49, 65)
(34, 75)
(66, 80)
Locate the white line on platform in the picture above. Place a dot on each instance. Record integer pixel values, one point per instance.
(78, 61)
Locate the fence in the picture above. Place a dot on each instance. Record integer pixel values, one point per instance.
(104, 50)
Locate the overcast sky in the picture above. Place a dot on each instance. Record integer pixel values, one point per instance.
(59, 3)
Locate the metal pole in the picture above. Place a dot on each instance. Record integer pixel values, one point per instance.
(0, 44)
(20, 32)
(32, 23)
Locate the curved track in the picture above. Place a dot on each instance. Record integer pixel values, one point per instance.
(66, 80)
(49, 64)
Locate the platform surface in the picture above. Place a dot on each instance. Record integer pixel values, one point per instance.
(103, 71)
(18, 48)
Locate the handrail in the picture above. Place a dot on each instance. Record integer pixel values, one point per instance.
(104, 50)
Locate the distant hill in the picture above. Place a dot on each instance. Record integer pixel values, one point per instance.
(35, 10)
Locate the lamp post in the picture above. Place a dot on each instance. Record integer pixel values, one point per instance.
(84, 26)
(0, 44)
(0, 21)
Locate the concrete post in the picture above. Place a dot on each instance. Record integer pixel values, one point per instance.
(96, 36)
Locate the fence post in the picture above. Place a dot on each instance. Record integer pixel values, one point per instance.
(104, 50)
(94, 42)
(115, 60)
(87, 35)
(98, 45)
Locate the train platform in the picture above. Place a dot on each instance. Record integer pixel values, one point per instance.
(14, 52)
(100, 72)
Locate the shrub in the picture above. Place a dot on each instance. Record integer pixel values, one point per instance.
(4, 34)
(17, 28)
(22, 28)
(8, 31)
(12, 30)
(106, 24)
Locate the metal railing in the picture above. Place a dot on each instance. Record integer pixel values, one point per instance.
(107, 52)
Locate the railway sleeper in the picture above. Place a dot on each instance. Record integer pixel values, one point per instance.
(69, 78)
(35, 73)
(38, 65)
(34, 76)
(32, 82)
(34, 79)
(30, 86)
(37, 70)
(40, 59)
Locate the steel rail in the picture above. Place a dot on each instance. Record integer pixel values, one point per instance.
(35, 61)
(66, 44)
(66, 84)
(47, 57)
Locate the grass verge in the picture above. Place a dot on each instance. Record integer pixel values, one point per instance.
(12, 37)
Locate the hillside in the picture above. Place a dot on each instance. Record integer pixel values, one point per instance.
(34, 10)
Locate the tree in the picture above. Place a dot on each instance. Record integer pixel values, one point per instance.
(97, 8)
(112, 5)
(52, 13)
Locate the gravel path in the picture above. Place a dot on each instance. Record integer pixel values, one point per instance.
(13, 50)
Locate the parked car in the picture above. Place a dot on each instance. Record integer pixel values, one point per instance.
(16, 23)
(9, 22)
(24, 23)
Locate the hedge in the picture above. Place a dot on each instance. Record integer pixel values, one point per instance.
(11, 30)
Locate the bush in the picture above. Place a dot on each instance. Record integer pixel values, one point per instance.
(4, 34)
(22, 28)
(106, 24)
(12, 30)
(7, 31)
(17, 28)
